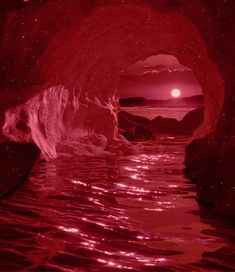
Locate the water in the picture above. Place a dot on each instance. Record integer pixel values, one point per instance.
(153, 112)
(113, 213)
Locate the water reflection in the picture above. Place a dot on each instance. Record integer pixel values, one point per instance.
(119, 213)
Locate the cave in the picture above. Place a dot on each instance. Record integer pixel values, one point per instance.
(92, 199)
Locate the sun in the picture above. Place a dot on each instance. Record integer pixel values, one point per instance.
(175, 93)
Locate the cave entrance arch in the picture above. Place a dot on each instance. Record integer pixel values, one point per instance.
(112, 40)
(86, 67)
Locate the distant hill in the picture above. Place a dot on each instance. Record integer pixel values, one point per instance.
(184, 102)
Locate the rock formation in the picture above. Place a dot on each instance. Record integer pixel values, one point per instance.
(191, 121)
(134, 127)
(69, 56)
(164, 125)
(131, 124)
(127, 120)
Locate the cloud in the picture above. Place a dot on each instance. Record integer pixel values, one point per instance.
(156, 65)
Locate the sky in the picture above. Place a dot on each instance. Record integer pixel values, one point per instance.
(156, 77)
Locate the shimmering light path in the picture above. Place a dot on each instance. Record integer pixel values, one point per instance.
(126, 213)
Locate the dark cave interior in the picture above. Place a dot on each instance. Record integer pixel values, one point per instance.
(61, 64)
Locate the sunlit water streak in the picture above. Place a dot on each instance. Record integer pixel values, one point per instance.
(153, 112)
(124, 213)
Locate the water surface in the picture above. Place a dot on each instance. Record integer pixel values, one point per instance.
(113, 213)
(153, 112)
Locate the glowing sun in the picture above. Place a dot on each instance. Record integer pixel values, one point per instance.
(175, 93)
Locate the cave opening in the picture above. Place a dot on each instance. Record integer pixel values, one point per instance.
(159, 96)
(83, 74)
(97, 206)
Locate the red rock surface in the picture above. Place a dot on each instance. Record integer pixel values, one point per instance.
(79, 49)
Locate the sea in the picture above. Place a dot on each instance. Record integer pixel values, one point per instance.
(153, 112)
(114, 213)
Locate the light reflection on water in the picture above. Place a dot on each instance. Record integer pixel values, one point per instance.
(113, 213)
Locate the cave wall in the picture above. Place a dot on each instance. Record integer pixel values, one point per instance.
(79, 48)
(89, 57)
(26, 30)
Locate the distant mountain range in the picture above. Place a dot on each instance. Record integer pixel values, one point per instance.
(195, 101)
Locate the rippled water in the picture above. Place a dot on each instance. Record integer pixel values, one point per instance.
(113, 213)
(153, 112)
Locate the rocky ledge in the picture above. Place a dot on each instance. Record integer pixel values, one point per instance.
(137, 127)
